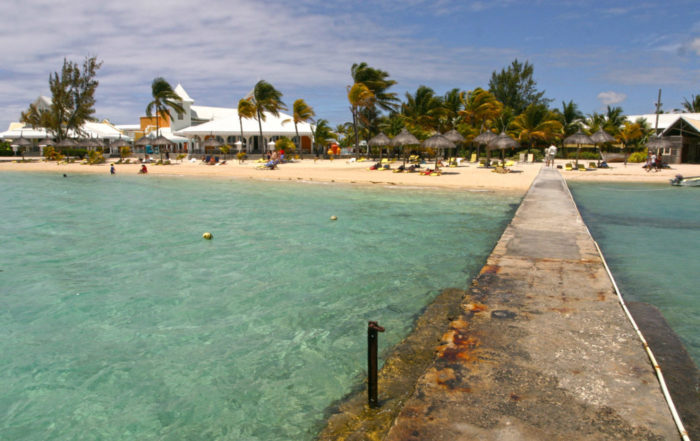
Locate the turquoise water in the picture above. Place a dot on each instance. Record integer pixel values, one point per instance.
(119, 322)
(650, 236)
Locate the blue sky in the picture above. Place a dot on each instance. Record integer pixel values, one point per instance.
(592, 52)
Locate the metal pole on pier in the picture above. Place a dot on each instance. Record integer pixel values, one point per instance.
(372, 391)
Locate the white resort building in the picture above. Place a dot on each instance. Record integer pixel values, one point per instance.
(187, 133)
(200, 123)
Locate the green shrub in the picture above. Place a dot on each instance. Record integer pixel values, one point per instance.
(51, 154)
(6, 149)
(637, 157)
(582, 155)
(95, 157)
(80, 153)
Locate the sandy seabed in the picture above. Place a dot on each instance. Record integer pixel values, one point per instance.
(466, 176)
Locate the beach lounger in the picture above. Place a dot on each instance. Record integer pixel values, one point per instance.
(500, 169)
(510, 164)
(568, 166)
(473, 158)
(592, 165)
(581, 167)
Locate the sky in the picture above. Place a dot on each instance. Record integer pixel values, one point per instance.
(596, 53)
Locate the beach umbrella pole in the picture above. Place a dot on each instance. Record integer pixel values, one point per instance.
(373, 329)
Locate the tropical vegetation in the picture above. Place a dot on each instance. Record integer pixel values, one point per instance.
(164, 100)
(72, 99)
(266, 98)
(302, 112)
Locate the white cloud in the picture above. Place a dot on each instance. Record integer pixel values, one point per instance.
(610, 98)
(694, 45)
(219, 48)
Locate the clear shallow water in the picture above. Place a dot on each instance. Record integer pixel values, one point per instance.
(119, 322)
(650, 235)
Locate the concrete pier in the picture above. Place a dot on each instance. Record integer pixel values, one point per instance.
(538, 349)
(542, 349)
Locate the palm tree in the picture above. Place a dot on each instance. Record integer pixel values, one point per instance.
(536, 123)
(164, 100)
(378, 82)
(596, 121)
(322, 132)
(359, 97)
(481, 108)
(302, 113)
(452, 104)
(570, 117)
(692, 105)
(614, 119)
(266, 99)
(422, 111)
(246, 109)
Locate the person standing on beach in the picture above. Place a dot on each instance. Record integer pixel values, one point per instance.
(112, 170)
(551, 154)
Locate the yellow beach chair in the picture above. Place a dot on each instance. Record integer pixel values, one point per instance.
(581, 167)
(473, 158)
(568, 166)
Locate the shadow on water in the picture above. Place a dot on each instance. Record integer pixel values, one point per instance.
(681, 375)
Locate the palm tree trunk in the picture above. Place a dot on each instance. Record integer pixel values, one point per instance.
(298, 139)
(357, 136)
(240, 122)
(262, 141)
(157, 135)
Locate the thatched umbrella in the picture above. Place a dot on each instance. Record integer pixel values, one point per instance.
(46, 142)
(577, 139)
(601, 137)
(143, 141)
(454, 136)
(502, 142)
(404, 138)
(67, 142)
(89, 142)
(21, 142)
(438, 142)
(484, 138)
(160, 141)
(211, 142)
(121, 142)
(380, 141)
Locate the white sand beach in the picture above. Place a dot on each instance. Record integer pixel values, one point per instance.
(466, 176)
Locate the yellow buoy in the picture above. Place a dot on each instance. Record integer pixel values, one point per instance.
(334, 217)
(207, 235)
